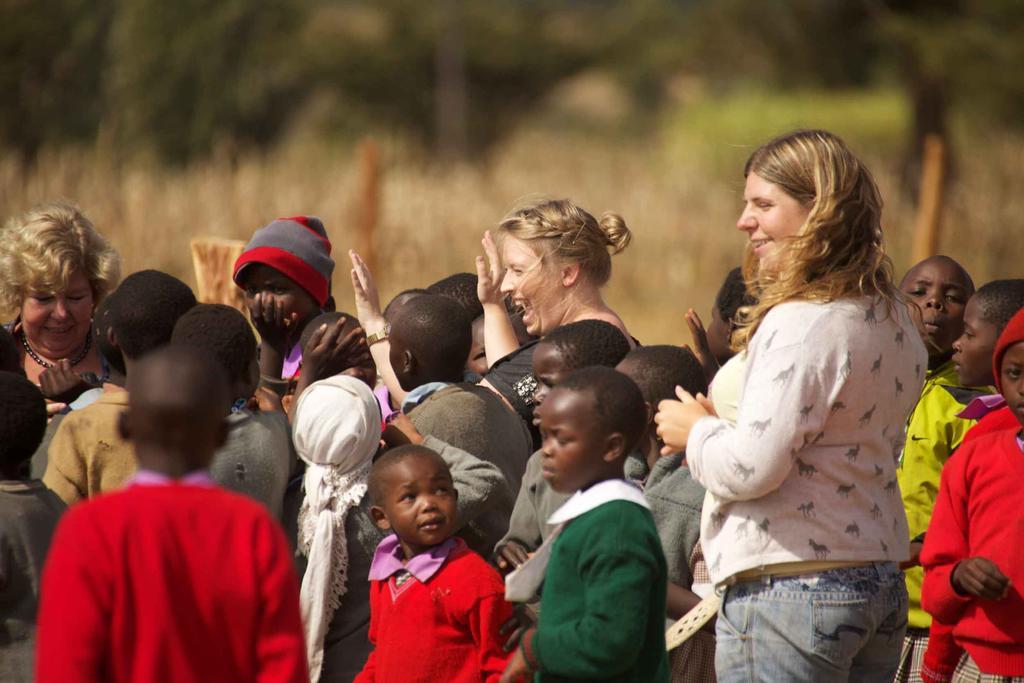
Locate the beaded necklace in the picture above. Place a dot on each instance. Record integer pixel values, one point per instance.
(47, 364)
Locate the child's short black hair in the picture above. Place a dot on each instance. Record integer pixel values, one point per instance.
(22, 420)
(618, 401)
(400, 300)
(222, 334)
(999, 300)
(10, 359)
(392, 457)
(589, 342)
(145, 309)
(438, 333)
(328, 318)
(732, 295)
(102, 323)
(460, 288)
(659, 369)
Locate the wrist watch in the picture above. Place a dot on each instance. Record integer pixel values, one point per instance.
(379, 336)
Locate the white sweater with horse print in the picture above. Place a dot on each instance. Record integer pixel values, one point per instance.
(808, 472)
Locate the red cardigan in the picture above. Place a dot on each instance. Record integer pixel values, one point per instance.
(170, 583)
(943, 653)
(443, 630)
(980, 512)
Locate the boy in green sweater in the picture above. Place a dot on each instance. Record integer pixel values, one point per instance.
(602, 612)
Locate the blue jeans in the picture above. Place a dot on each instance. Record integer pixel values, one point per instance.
(840, 625)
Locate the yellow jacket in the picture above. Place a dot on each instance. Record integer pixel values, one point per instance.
(933, 433)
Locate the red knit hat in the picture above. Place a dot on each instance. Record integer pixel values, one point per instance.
(1012, 333)
(296, 246)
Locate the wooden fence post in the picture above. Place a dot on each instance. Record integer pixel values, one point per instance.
(930, 198)
(214, 260)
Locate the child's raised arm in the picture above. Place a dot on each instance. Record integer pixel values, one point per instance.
(481, 485)
(499, 335)
(368, 311)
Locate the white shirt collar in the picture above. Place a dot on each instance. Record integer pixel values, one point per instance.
(597, 495)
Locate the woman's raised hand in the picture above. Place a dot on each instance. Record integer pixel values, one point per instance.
(488, 272)
(367, 297)
(675, 419)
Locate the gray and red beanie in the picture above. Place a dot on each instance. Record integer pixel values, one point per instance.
(296, 246)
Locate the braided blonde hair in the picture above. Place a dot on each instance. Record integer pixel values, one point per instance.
(838, 252)
(568, 234)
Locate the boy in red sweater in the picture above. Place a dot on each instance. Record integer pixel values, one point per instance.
(435, 606)
(171, 578)
(972, 559)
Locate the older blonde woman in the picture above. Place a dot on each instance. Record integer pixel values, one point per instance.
(804, 527)
(54, 269)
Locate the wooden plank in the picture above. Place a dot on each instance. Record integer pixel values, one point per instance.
(213, 260)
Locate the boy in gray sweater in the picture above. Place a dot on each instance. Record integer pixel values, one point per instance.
(28, 515)
(258, 455)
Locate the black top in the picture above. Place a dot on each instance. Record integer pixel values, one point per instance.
(513, 377)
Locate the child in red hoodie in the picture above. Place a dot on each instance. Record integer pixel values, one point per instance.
(435, 606)
(171, 578)
(974, 567)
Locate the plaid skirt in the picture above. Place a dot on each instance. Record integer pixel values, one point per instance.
(694, 660)
(912, 657)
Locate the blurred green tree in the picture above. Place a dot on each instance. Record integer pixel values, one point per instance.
(186, 78)
(188, 75)
(394, 65)
(51, 58)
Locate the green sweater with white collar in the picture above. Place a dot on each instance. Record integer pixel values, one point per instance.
(602, 614)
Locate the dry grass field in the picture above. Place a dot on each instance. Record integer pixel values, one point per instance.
(679, 193)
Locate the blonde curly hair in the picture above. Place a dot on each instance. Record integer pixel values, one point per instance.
(568, 234)
(41, 250)
(838, 252)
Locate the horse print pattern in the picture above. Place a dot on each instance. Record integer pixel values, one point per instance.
(742, 472)
(805, 470)
(844, 490)
(759, 428)
(821, 551)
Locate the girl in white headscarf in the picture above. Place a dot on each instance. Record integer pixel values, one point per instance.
(336, 430)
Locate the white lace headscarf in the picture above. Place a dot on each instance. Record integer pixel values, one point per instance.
(336, 430)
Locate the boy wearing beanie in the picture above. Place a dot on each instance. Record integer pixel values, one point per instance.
(285, 273)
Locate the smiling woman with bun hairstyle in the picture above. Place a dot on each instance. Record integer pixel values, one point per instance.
(550, 259)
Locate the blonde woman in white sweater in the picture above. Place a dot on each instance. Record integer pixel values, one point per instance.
(806, 528)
